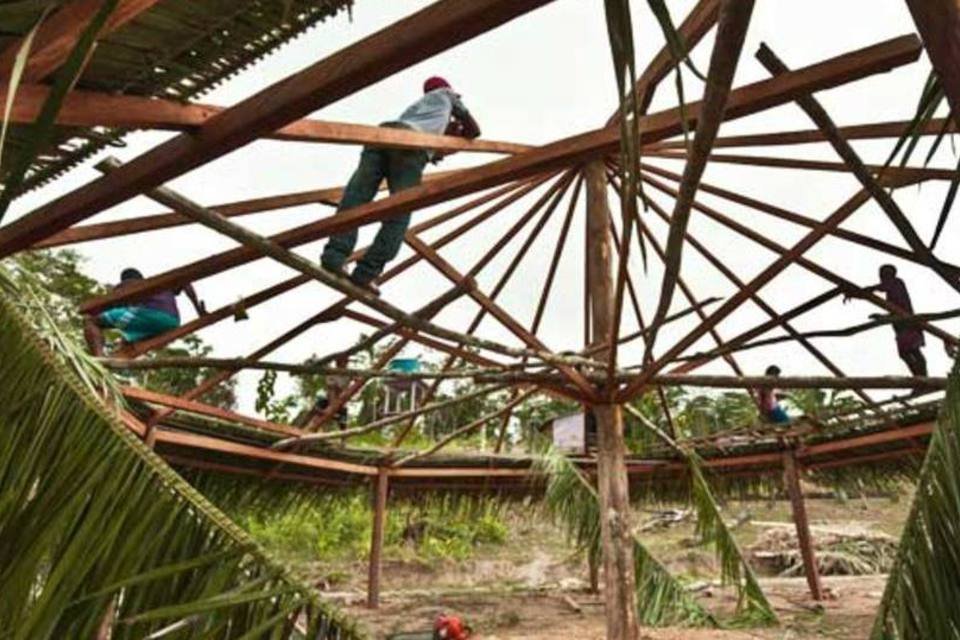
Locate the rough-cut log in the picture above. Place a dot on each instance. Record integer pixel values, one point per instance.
(744, 101)
(791, 479)
(439, 26)
(59, 33)
(376, 538)
(939, 24)
(92, 109)
(616, 534)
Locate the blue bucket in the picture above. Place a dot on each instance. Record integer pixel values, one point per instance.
(405, 365)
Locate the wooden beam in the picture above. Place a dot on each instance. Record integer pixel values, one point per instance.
(893, 172)
(939, 23)
(809, 136)
(152, 397)
(92, 109)
(437, 27)
(749, 99)
(791, 480)
(59, 33)
(219, 445)
(796, 218)
(99, 231)
(614, 490)
(811, 106)
(375, 572)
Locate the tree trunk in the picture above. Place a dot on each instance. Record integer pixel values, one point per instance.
(376, 539)
(617, 548)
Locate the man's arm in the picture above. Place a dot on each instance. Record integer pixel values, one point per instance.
(197, 303)
(859, 292)
(462, 115)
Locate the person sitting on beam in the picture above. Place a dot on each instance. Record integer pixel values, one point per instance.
(909, 336)
(439, 111)
(139, 320)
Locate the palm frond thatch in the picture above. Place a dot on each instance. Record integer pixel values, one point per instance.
(94, 528)
(922, 593)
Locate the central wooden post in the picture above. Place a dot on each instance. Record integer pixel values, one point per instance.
(376, 538)
(791, 479)
(618, 562)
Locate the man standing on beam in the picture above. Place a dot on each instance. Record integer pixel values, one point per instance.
(438, 111)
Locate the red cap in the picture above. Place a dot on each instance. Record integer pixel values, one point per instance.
(435, 82)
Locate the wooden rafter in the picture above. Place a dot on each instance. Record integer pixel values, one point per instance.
(417, 37)
(92, 109)
(744, 101)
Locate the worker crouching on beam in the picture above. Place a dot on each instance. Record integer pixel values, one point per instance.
(439, 111)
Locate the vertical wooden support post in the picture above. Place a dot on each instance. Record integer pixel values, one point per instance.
(791, 479)
(376, 538)
(617, 548)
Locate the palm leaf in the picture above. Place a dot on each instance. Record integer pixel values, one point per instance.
(92, 521)
(574, 504)
(42, 128)
(16, 73)
(920, 600)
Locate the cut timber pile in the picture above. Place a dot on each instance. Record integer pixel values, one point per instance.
(840, 551)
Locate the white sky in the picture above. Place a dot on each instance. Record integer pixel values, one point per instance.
(542, 77)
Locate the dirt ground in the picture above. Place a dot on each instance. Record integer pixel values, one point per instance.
(534, 587)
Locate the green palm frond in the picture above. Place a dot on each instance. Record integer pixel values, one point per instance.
(94, 526)
(575, 505)
(923, 590)
(752, 605)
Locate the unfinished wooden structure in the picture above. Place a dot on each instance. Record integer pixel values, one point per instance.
(575, 184)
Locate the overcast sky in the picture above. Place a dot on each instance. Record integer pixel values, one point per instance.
(537, 79)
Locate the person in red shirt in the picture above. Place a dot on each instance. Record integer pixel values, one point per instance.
(908, 335)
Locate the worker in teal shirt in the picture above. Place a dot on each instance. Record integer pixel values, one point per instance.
(140, 319)
(439, 111)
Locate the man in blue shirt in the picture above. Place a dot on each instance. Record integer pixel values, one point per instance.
(439, 111)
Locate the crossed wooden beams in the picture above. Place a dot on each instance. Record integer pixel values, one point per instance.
(207, 124)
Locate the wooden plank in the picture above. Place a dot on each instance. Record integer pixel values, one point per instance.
(791, 480)
(208, 443)
(939, 23)
(893, 172)
(437, 27)
(99, 231)
(744, 101)
(59, 33)
(810, 136)
(92, 109)
(881, 437)
(152, 397)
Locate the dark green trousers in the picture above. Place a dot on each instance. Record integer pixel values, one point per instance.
(402, 169)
